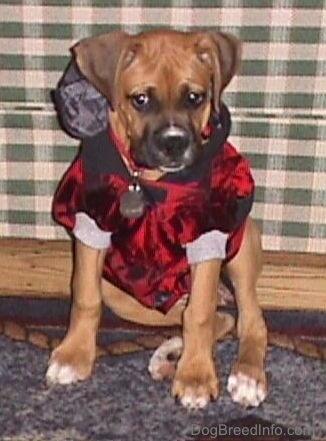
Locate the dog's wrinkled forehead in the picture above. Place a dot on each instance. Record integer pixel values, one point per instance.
(194, 57)
(163, 71)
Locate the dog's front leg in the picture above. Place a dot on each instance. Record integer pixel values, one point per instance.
(195, 381)
(247, 382)
(74, 358)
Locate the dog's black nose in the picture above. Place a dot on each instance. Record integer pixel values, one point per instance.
(172, 140)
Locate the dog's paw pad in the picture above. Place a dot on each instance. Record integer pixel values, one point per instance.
(245, 390)
(195, 391)
(163, 362)
(61, 374)
(193, 402)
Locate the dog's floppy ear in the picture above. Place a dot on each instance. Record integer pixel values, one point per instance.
(223, 52)
(98, 60)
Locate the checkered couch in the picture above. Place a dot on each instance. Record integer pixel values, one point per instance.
(278, 103)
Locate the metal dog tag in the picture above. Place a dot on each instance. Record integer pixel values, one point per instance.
(132, 202)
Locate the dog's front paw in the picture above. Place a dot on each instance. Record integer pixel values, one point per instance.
(61, 374)
(248, 390)
(67, 367)
(195, 383)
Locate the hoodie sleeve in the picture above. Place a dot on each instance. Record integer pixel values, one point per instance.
(82, 110)
(231, 199)
(71, 211)
(232, 190)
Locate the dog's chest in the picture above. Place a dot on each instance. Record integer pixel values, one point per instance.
(175, 213)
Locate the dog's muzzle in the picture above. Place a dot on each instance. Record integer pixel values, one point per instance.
(171, 148)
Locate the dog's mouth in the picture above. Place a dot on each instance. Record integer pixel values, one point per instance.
(172, 168)
(170, 149)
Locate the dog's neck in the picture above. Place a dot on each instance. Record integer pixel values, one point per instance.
(119, 131)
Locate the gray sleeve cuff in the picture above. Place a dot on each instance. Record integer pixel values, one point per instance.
(208, 246)
(89, 233)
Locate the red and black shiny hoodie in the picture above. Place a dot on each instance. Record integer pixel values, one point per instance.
(147, 257)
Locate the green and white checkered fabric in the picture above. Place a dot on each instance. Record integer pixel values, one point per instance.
(278, 103)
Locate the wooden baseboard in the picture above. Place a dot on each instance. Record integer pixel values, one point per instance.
(35, 268)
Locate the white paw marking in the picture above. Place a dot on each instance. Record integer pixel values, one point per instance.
(61, 374)
(245, 390)
(159, 364)
(193, 402)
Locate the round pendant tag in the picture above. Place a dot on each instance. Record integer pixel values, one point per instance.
(132, 204)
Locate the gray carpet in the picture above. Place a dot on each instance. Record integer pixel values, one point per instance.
(121, 403)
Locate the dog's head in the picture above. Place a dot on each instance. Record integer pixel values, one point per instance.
(162, 87)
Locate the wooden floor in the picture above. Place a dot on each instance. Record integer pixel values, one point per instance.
(43, 269)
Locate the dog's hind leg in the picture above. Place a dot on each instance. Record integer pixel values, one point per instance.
(247, 382)
(128, 308)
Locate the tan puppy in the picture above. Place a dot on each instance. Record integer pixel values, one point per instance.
(163, 87)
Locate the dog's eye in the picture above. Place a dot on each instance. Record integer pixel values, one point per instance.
(195, 99)
(140, 101)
